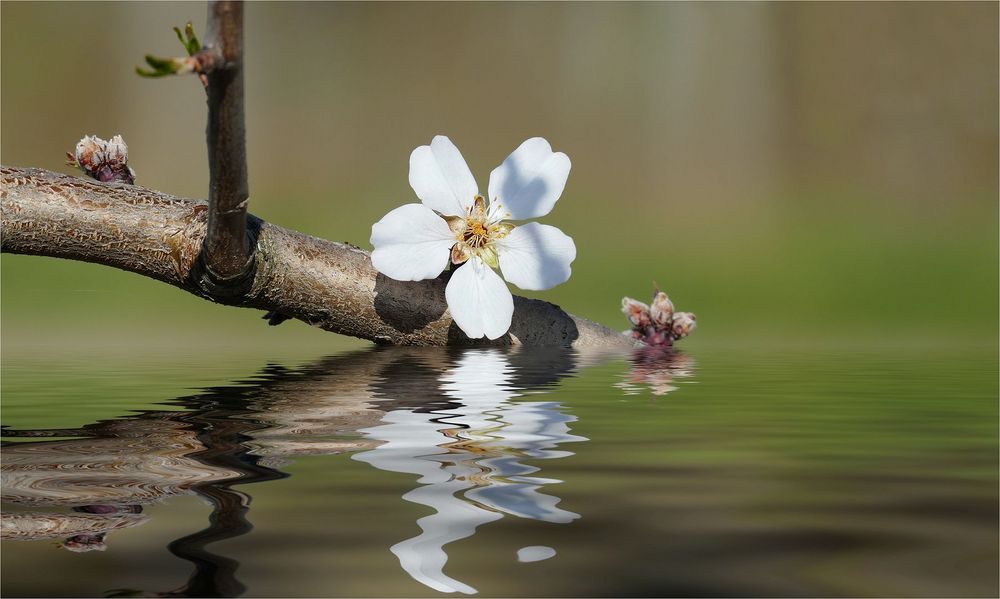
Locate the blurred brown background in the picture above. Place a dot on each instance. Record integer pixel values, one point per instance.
(806, 170)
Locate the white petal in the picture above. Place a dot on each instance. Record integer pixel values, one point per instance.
(411, 243)
(530, 180)
(535, 256)
(479, 300)
(441, 178)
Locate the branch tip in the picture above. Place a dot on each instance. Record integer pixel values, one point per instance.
(197, 60)
(657, 324)
(188, 39)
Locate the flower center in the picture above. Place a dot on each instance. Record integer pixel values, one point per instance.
(477, 234)
(480, 230)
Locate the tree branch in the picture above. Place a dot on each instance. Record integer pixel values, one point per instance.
(329, 285)
(220, 252)
(227, 257)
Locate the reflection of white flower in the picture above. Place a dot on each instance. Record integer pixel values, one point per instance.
(415, 241)
(468, 458)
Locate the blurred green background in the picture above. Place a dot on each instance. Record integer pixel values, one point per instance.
(791, 172)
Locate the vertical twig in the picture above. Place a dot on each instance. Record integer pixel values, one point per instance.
(226, 252)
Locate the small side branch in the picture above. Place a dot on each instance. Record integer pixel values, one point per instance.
(227, 254)
(227, 262)
(329, 285)
(198, 60)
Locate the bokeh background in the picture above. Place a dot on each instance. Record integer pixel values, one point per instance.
(791, 172)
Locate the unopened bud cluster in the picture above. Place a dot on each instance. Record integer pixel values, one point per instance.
(657, 324)
(105, 161)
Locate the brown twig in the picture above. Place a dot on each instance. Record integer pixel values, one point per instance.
(227, 255)
(227, 262)
(329, 285)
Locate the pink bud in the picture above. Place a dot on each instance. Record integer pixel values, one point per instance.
(661, 310)
(105, 161)
(683, 324)
(636, 312)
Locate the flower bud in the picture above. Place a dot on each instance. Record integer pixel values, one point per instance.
(661, 310)
(104, 160)
(683, 324)
(636, 312)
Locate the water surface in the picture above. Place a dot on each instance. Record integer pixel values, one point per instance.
(405, 472)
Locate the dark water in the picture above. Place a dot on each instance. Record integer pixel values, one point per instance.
(392, 472)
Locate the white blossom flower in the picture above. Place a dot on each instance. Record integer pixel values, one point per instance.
(456, 223)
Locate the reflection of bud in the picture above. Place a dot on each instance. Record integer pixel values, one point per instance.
(636, 312)
(661, 310)
(657, 368)
(683, 324)
(85, 542)
(658, 338)
(103, 160)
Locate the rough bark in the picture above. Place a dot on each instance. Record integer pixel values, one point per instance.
(326, 284)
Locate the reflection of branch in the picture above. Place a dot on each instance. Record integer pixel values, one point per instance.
(222, 430)
(214, 575)
(202, 450)
(128, 462)
(224, 436)
(31, 526)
